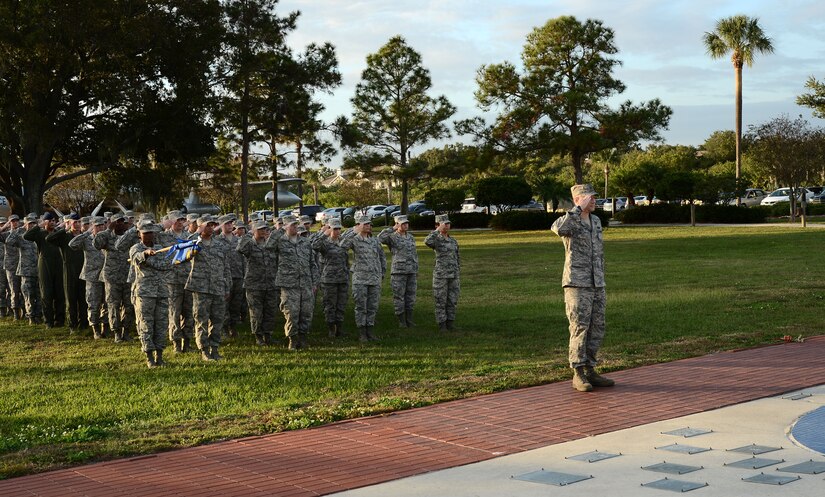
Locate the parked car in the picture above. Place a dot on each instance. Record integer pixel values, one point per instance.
(532, 206)
(469, 205)
(349, 213)
(392, 209)
(264, 214)
(307, 210)
(621, 203)
(599, 203)
(420, 208)
(784, 195)
(819, 199)
(331, 212)
(376, 210)
(752, 196)
(641, 200)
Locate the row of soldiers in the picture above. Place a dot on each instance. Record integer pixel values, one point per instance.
(280, 265)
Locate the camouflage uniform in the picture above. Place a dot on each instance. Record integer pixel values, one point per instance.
(114, 274)
(403, 272)
(334, 280)
(50, 275)
(27, 271)
(90, 273)
(9, 269)
(4, 284)
(583, 282)
(368, 267)
(124, 243)
(151, 296)
(261, 293)
(181, 321)
(234, 308)
(446, 276)
(297, 278)
(209, 281)
(73, 285)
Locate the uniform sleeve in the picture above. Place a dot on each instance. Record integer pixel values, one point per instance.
(382, 257)
(32, 235)
(432, 240)
(385, 236)
(127, 239)
(57, 236)
(101, 240)
(244, 245)
(569, 224)
(78, 242)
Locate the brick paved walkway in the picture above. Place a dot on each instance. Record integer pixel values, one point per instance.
(370, 450)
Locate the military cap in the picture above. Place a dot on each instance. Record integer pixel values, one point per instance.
(335, 223)
(31, 217)
(583, 189)
(107, 215)
(279, 219)
(71, 217)
(117, 217)
(14, 217)
(240, 225)
(363, 219)
(289, 219)
(254, 216)
(301, 229)
(192, 217)
(129, 213)
(3, 219)
(85, 220)
(98, 220)
(148, 226)
(259, 225)
(226, 218)
(442, 219)
(48, 216)
(175, 215)
(206, 219)
(306, 219)
(401, 219)
(146, 215)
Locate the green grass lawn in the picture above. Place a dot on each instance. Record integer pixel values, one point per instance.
(672, 293)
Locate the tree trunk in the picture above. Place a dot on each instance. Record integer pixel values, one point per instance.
(578, 158)
(274, 159)
(299, 171)
(738, 90)
(245, 155)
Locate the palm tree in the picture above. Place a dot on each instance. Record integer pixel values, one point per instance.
(743, 38)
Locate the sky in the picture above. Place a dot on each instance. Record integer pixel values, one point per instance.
(660, 46)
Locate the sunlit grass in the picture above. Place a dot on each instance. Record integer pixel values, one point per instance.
(672, 293)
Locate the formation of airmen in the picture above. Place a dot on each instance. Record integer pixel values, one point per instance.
(191, 279)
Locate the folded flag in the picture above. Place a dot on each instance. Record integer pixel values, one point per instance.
(183, 250)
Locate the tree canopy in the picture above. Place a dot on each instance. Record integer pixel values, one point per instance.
(815, 99)
(558, 104)
(393, 111)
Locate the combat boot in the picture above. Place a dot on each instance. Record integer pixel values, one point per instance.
(596, 379)
(370, 336)
(18, 313)
(303, 340)
(293, 343)
(150, 359)
(259, 340)
(450, 324)
(331, 331)
(105, 330)
(214, 353)
(206, 356)
(159, 358)
(96, 331)
(363, 336)
(118, 338)
(402, 320)
(410, 323)
(339, 328)
(178, 345)
(125, 336)
(185, 346)
(580, 381)
(442, 326)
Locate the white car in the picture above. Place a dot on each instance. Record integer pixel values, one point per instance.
(784, 195)
(621, 203)
(469, 205)
(374, 211)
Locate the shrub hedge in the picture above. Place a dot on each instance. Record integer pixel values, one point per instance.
(671, 213)
(530, 220)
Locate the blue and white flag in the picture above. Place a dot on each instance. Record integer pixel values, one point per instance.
(183, 250)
